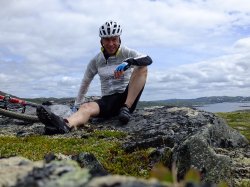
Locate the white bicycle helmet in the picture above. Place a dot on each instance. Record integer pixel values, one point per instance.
(109, 29)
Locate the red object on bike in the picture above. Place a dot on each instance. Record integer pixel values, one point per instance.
(19, 101)
(13, 100)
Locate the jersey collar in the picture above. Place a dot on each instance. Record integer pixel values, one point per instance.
(107, 55)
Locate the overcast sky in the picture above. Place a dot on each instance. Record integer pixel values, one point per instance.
(199, 47)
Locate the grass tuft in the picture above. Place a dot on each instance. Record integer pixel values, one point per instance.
(239, 120)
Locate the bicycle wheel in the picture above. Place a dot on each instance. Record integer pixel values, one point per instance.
(20, 116)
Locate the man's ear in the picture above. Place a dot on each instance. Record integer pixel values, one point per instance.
(101, 42)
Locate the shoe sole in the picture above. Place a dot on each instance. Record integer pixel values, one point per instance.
(44, 116)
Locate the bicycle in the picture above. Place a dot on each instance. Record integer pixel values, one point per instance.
(15, 108)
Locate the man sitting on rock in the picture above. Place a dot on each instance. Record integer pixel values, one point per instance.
(123, 74)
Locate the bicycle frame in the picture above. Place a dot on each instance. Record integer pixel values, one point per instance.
(6, 108)
(14, 100)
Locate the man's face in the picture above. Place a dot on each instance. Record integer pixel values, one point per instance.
(111, 44)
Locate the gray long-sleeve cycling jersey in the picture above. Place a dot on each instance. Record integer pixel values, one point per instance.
(105, 69)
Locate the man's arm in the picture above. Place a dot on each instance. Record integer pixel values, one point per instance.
(139, 61)
(89, 74)
(82, 91)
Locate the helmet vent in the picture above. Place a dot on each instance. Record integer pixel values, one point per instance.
(110, 29)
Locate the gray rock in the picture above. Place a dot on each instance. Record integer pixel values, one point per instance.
(20, 172)
(89, 161)
(62, 173)
(196, 153)
(178, 128)
(15, 168)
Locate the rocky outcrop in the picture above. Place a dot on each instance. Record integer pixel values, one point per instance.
(187, 137)
(193, 137)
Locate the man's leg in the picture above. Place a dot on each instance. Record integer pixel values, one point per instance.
(82, 116)
(55, 124)
(136, 84)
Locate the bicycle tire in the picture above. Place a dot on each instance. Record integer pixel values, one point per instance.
(15, 115)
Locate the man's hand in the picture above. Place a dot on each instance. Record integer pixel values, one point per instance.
(75, 108)
(119, 71)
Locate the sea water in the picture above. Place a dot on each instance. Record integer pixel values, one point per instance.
(225, 107)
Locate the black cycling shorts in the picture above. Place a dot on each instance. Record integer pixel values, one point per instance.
(110, 105)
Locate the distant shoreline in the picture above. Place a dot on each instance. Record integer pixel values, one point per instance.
(225, 107)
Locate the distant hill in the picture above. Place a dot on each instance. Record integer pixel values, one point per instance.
(168, 102)
(2, 93)
(209, 100)
(194, 102)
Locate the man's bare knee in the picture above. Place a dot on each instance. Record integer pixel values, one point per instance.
(91, 108)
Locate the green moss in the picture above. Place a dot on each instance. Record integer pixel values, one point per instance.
(243, 183)
(239, 121)
(103, 144)
(109, 133)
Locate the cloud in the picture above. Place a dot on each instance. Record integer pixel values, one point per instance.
(225, 75)
(45, 45)
(242, 45)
